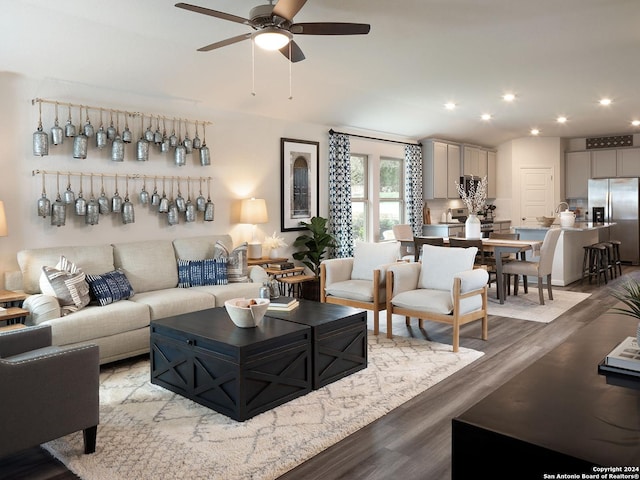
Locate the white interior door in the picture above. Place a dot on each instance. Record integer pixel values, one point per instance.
(536, 194)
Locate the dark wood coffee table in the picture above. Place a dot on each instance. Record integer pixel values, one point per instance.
(239, 372)
(338, 338)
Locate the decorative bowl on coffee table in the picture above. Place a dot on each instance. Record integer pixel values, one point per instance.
(246, 312)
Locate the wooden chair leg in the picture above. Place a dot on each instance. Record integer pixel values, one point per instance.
(540, 290)
(407, 321)
(549, 287)
(376, 322)
(389, 323)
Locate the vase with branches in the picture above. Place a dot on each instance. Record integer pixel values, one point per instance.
(475, 196)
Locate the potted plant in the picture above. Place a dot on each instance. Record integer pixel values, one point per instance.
(313, 248)
(630, 296)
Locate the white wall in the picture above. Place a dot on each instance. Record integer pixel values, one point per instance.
(245, 162)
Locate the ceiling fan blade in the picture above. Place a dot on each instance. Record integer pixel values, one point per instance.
(224, 43)
(214, 13)
(330, 28)
(296, 52)
(288, 8)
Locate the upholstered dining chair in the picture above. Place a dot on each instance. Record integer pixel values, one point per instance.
(50, 391)
(506, 257)
(482, 259)
(540, 268)
(359, 281)
(404, 232)
(418, 242)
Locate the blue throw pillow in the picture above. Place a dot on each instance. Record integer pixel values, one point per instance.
(195, 273)
(109, 287)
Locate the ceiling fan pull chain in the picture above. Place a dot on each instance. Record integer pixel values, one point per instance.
(290, 76)
(253, 69)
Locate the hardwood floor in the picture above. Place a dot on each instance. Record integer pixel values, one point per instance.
(414, 440)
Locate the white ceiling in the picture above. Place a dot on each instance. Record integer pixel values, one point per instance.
(557, 56)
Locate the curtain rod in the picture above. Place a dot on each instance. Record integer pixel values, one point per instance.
(332, 131)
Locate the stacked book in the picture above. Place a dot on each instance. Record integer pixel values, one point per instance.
(281, 266)
(626, 355)
(283, 304)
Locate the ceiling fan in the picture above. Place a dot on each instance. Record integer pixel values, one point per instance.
(274, 27)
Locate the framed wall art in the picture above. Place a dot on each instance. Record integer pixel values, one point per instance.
(300, 182)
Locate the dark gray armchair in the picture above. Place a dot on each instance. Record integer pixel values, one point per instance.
(47, 391)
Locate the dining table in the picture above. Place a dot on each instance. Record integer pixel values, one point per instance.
(499, 247)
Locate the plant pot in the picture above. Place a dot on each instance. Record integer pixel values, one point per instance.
(274, 253)
(310, 290)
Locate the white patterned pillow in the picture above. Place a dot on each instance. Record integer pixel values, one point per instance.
(67, 282)
(237, 267)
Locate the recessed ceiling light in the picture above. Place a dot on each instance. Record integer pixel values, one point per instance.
(561, 119)
(450, 105)
(635, 123)
(605, 101)
(508, 97)
(485, 116)
(535, 131)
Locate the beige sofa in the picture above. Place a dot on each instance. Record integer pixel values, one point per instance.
(121, 329)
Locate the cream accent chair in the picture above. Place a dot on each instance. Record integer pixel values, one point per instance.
(443, 287)
(359, 281)
(540, 268)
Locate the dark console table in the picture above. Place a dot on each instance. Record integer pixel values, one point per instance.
(557, 416)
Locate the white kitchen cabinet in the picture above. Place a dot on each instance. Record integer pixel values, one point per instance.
(492, 171)
(441, 169)
(604, 163)
(628, 162)
(577, 174)
(474, 161)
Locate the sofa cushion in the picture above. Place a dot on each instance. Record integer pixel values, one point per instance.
(148, 265)
(109, 287)
(67, 282)
(222, 293)
(91, 259)
(367, 256)
(237, 267)
(199, 248)
(195, 273)
(174, 301)
(440, 265)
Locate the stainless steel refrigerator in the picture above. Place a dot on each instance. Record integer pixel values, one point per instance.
(620, 198)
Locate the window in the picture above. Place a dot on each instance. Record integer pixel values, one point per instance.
(374, 215)
(359, 196)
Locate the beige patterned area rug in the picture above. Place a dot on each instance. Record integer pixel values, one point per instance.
(147, 432)
(527, 306)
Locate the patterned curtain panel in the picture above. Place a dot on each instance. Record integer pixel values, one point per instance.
(413, 187)
(340, 217)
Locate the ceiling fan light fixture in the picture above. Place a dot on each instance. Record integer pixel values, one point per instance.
(272, 38)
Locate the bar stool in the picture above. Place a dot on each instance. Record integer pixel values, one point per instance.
(608, 259)
(615, 257)
(593, 262)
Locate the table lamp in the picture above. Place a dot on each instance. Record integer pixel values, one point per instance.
(254, 211)
(3, 221)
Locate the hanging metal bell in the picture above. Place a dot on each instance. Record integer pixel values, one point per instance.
(116, 203)
(44, 206)
(81, 205)
(68, 196)
(117, 150)
(190, 212)
(163, 206)
(40, 142)
(173, 140)
(112, 133)
(80, 146)
(93, 212)
(57, 134)
(180, 156)
(201, 203)
(101, 138)
(127, 135)
(142, 150)
(103, 203)
(157, 137)
(89, 131)
(58, 212)
(181, 204)
(144, 196)
(172, 214)
(69, 129)
(155, 198)
(148, 134)
(197, 143)
(188, 144)
(128, 215)
(208, 211)
(205, 155)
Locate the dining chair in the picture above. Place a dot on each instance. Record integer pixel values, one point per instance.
(540, 268)
(404, 232)
(507, 257)
(419, 241)
(482, 260)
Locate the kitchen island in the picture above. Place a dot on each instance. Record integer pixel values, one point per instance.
(567, 261)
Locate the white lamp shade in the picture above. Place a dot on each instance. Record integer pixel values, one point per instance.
(253, 211)
(3, 221)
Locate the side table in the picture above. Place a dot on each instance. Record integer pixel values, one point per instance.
(15, 315)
